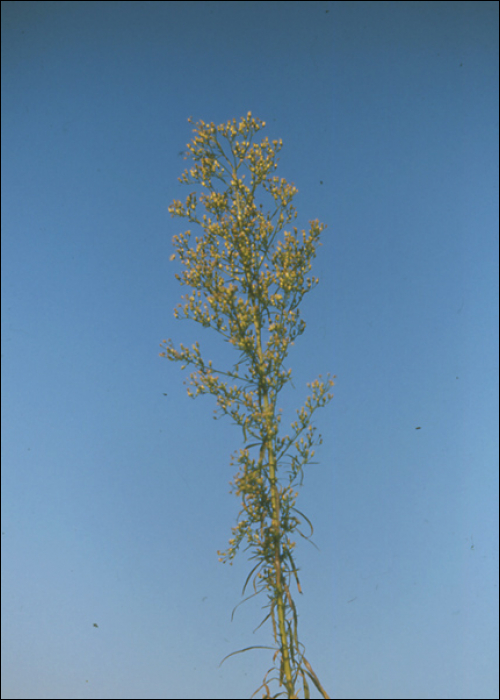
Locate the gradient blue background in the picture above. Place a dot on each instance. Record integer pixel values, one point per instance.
(115, 497)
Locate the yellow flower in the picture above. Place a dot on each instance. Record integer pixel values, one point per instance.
(172, 257)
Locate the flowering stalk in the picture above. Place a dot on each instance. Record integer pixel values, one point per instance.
(247, 276)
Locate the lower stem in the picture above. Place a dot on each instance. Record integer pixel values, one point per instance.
(280, 602)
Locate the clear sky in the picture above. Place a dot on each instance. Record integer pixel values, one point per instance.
(115, 497)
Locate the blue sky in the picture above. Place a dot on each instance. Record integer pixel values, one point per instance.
(115, 497)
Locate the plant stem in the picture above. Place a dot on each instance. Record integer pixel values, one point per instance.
(276, 517)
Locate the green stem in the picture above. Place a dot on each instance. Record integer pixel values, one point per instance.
(268, 411)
